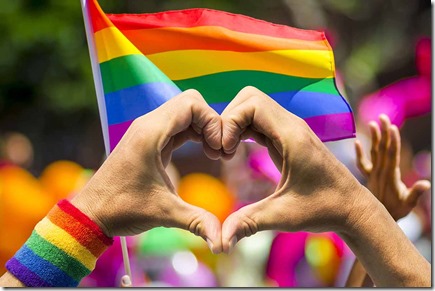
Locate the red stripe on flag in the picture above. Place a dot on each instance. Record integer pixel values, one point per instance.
(208, 17)
(97, 16)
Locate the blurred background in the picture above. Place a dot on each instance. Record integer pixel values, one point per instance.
(51, 141)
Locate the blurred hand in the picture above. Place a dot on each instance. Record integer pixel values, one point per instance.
(316, 191)
(131, 192)
(383, 171)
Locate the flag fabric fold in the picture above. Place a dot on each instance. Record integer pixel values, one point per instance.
(146, 59)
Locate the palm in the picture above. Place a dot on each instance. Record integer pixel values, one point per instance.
(393, 194)
(383, 172)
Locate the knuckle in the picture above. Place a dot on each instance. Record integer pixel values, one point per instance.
(233, 118)
(248, 225)
(193, 95)
(251, 93)
(195, 224)
(249, 90)
(138, 123)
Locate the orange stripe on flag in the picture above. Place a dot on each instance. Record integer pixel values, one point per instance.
(212, 38)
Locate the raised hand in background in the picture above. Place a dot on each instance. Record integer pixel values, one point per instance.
(383, 171)
(384, 181)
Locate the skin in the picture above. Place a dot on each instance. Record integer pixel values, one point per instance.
(382, 172)
(131, 192)
(316, 193)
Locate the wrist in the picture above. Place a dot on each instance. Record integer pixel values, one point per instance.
(361, 205)
(92, 208)
(378, 242)
(62, 249)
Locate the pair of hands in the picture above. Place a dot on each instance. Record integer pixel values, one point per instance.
(131, 192)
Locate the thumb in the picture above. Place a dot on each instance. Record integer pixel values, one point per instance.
(417, 190)
(199, 222)
(245, 222)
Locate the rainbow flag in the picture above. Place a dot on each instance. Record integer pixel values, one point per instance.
(142, 60)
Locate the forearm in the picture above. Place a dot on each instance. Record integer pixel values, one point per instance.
(386, 253)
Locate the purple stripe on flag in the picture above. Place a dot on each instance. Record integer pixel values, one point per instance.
(26, 276)
(332, 126)
(328, 127)
(116, 131)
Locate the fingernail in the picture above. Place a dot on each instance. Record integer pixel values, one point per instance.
(210, 245)
(233, 242)
(126, 281)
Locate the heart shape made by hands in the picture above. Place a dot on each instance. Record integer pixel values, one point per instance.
(127, 198)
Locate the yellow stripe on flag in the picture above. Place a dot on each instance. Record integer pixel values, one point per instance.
(185, 64)
(111, 43)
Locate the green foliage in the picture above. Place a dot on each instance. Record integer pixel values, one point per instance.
(44, 59)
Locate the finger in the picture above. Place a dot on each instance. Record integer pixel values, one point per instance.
(417, 190)
(259, 138)
(362, 162)
(395, 145)
(126, 281)
(241, 97)
(253, 108)
(247, 221)
(384, 142)
(190, 109)
(239, 116)
(376, 137)
(192, 135)
(198, 221)
(184, 136)
(211, 153)
(391, 168)
(177, 141)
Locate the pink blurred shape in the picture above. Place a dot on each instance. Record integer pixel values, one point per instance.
(406, 98)
(285, 253)
(110, 267)
(261, 163)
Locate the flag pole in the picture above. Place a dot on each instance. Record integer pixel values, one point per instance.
(102, 110)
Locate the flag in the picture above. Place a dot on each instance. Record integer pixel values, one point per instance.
(142, 60)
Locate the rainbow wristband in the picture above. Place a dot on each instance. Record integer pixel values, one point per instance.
(62, 249)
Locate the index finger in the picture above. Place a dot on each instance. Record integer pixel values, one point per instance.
(190, 109)
(253, 108)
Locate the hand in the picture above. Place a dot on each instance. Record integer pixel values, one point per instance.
(383, 171)
(316, 191)
(131, 192)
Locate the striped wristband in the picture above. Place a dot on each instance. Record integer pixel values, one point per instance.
(62, 249)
